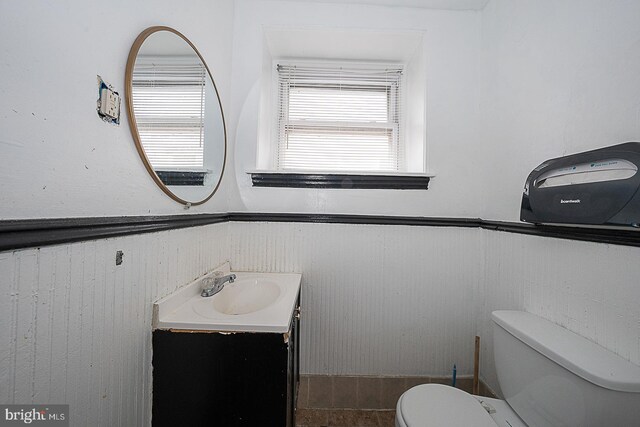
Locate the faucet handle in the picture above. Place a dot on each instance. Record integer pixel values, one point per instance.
(208, 281)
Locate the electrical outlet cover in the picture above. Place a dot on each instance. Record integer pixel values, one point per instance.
(108, 103)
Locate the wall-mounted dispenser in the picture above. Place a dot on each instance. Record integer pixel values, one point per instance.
(598, 187)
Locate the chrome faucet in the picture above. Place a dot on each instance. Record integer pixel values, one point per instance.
(213, 285)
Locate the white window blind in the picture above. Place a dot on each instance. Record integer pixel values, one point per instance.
(169, 101)
(339, 119)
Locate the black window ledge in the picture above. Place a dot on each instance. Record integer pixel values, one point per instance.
(342, 181)
(181, 177)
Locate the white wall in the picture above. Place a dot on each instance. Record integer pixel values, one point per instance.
(76, 328)
(376, 300)
(507, 88)
(589, 288)
(558, 77)
(452, 47)
(555, 77)
(539, 79)
(402, 300)
(58, 158)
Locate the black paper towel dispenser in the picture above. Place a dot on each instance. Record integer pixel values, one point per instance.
(598, 187)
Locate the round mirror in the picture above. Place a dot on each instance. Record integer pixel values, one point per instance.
(175, 115)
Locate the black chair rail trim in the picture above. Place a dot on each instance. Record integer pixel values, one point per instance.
(29, 233)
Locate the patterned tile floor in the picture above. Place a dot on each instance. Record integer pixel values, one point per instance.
(345, 418)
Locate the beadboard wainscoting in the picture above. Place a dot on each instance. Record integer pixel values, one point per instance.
(589, 288)
(76, 328)
(404, 300)
(376, 299)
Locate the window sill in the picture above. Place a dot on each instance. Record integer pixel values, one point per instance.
(370, 181)
(181, 177)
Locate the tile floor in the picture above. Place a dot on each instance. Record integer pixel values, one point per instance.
(360, 392)
(345, 418)
(358, 401)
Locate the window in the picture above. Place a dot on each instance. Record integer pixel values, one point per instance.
(340, 118)
(169, 97)
(354, 119)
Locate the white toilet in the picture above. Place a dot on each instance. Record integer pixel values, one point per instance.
(550, 377)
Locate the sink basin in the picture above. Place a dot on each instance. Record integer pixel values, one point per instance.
(255, 302)
(241, 297)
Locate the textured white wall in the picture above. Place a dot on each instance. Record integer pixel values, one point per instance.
(76, 328)
(401, 300)
(452, 47)
(558, 77)
(589, 288)
(377, 300)
(508, 87)
(58, 158)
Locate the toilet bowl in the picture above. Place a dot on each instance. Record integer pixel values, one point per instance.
(440, 405)
(549, 376)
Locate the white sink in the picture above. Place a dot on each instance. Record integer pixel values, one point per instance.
(255, 302)
(240, 297)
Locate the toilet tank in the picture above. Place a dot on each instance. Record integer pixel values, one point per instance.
(552, 377)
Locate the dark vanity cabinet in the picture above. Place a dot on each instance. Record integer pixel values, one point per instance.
(226, 379)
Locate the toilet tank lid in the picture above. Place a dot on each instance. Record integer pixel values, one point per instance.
(584, 358)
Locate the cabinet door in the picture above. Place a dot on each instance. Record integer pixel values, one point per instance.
(214, 379)
(293, 369)
(296, 357)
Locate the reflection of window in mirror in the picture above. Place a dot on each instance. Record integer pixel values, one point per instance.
(169, 93)
(175, 115)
